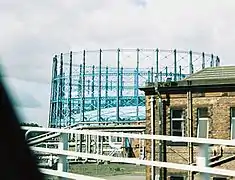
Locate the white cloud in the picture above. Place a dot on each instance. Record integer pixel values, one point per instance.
(33, 31)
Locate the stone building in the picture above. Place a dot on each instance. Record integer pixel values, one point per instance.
(202, 105)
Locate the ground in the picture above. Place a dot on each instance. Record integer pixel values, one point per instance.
(113, 171)
(126, 177)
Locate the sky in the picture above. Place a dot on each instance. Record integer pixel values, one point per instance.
(32, 32)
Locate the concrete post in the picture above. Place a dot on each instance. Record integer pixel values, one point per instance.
(63, 145)
(76, 142)
(203, 160)
(101, 145)
(97, 144)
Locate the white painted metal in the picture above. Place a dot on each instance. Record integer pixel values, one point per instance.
(232, 123)
(140, 136)
(215, 171)
(68, 175)
(63, 145)
(202, 160)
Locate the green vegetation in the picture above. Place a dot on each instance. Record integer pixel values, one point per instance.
(31, 134)
(29, 124)
(112, 169)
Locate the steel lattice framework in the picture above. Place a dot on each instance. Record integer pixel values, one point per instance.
(100, 80)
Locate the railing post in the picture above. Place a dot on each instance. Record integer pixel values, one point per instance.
(26, 134)
(97, 144)
(80, 142)
(202, 160)
(63, 145)
(76, 142)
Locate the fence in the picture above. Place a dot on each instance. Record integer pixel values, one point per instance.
(63, 152)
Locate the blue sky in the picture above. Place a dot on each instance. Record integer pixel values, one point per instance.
(33, 31)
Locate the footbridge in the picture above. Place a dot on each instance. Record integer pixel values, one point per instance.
(63, 153)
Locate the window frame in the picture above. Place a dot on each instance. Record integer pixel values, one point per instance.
(232, 123)
(201, 123)
(176, 177)
(182, 120)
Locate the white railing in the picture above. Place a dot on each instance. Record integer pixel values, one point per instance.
(63, 152)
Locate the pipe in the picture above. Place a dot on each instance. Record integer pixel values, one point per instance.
(160, 133)
(190, 129)
(153, 171)
(113, 145)
(26, 134)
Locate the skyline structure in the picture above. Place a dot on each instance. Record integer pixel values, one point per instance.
(103, 85)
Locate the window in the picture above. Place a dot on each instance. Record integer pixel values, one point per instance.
(177, 122)
(176, 178)
(219, 178)
(202, 128)
(232, 121)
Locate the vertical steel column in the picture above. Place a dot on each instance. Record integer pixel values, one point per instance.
(121, 88)
(152, 74)
(106, 85)
(93, 88)
(60, 93)
(160, 76)
(53, 94)
(212, 60)
(56, 88)
(190, 62)
(157, 66)
(203, 61)
(83, 84)
(99, 93)
(118, 83)
(70, 87)
(217, 61)
(137, 83)
(149, 75)
(180, 72)
(80, 92)
(175, 65)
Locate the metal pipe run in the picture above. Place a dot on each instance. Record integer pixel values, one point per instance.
(153, 171)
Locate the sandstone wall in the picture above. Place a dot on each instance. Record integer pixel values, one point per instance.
(218, 105)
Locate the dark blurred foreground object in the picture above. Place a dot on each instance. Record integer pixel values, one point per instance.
(17, 161)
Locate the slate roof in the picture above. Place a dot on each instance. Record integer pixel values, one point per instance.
(212, 79)
(213, 73)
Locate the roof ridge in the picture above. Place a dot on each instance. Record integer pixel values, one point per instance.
(219, 72)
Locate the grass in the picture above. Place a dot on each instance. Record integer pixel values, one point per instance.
(102, 170)
(111, 169)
